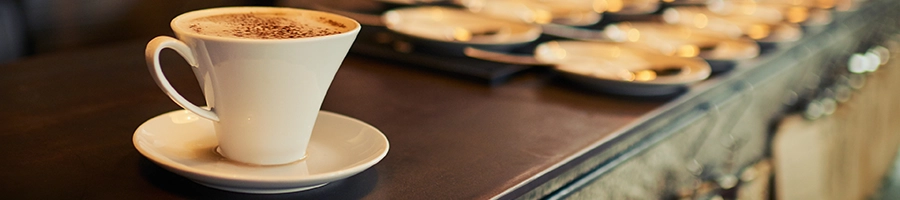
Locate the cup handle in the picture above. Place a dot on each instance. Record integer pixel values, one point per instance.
(152, 55)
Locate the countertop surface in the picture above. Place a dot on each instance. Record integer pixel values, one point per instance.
(67, 121)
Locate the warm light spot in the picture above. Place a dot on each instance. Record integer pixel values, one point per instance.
(749, 8)
(615, 33)
(671, 16)
(668, 1)
(700, 21)
(668, 50)
(688, 51)
(600, 6)
(542, 16)
(474, 5)
(461, 34)
(616, 52)
(557, 50)
(683, 32)
(634, 35)
(758, 31)
(437, 14)
(392, 18)
(797, 14)
(614, 5)
(644, 75)
(719, 6)
(626, 75)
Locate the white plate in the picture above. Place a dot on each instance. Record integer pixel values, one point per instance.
(684, 41)
(563, 12)
(185, 144)
(458, 26)
(620, 69)
(671, 39)
(762, 30)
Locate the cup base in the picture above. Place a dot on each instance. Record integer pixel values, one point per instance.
(218, 151)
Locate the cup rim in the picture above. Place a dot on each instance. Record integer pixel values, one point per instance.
(211, 11)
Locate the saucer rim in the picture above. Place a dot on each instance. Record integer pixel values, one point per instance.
(180, 168)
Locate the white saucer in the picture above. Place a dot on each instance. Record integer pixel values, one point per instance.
(185, 144)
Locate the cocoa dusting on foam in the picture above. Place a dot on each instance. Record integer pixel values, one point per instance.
(265, 26)
(195, 27)
(332, 22)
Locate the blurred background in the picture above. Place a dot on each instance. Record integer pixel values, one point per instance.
(30, 27)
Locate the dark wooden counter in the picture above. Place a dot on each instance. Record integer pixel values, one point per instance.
(67, 121)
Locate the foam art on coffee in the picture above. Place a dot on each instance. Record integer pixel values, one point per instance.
(265, 26)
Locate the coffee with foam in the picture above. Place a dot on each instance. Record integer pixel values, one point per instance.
(265, 25)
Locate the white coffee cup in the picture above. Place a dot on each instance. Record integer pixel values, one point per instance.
(263, 94)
